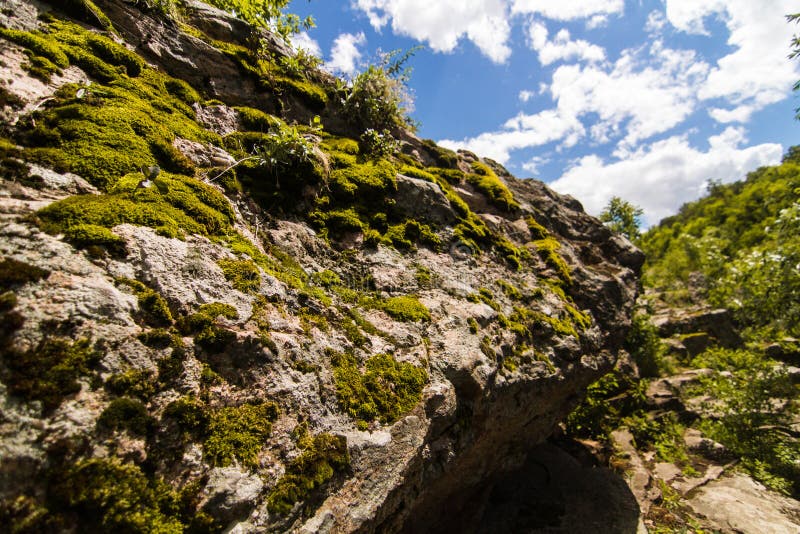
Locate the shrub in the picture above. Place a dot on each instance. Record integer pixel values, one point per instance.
(377, 100)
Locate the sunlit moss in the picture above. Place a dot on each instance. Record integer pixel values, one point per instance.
(385, 390)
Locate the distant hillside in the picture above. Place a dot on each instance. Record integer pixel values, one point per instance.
(737, 247)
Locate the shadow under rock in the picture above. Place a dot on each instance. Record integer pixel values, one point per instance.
(553, 492)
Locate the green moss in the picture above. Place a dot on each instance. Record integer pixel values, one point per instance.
(311, 93)
(48, 372)
(153, 308)
(451, 176)
(341, 144)
(417, 173)
(108, 496)
(112, 128)
(385, 391)
(38, 44)
(444, 157)
(323, 456)
(202, 325)
(487, 297)
(97, 240)
(336, 223)
(14, 273)
(182, 90)
(538, 231)
(256, 120)
(239, 433)
(191, 416)
(548, 251)
(40, 67)
(510, 290)
(174, 204)
(326, 278)
(157, 338)
(242, 274)
(87, 11)
(487, 182)
(372, 180)
(473, 325)
(406, 308)
(133, 383)
(125, 414)
(403, 236)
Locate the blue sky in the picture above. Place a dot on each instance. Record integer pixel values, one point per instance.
(645, 99)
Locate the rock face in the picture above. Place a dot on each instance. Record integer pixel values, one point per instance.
(251, 360)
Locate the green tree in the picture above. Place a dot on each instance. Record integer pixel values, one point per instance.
(623, 217)
(795, 52)
(266, 14)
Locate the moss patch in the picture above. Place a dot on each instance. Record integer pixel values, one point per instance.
(50, 371)
(153, 308)
(242, 274)
(386, 389)
(322, 457)
(108, 496)
(14, 273)
(125, 414)
(486, 181)
(112, 128)
(406, 308)
(239, 432)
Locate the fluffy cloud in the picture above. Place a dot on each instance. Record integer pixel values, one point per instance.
(302, 41)
(561, 47)
(345, 53)
(521, 132)
(668, 173)
(443, 23)
(644, 93)
(569, 9)
(757, 72)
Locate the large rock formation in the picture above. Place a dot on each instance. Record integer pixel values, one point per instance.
(264, 355)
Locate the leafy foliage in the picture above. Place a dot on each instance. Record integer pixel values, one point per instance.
(623, 217)
(741, 241)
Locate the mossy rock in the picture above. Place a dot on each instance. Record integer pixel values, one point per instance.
(153, 309)
(239, 433)
(244, 275)
(386, 389)
(126, 414)
(486, 181)
(14, 273)
(323, 456)
(406, 308)
(97, 240)
(48, 372)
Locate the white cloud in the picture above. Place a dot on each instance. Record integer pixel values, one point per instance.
(646, 91)
(569, 9)
(521, 132)
(443, 23)
(345, 53)
(757, 73)
(533, 164)
(302, 41)
(561, 47)
(668, 173)
(738, 114)
(656, 21)
(525, 95)
(597, 21)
